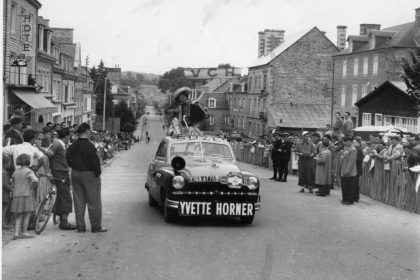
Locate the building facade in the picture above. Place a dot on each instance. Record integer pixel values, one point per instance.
(389, 105)
(371, 58)
(213, 95)
(290, 87)
(45, 61)
(20, 56)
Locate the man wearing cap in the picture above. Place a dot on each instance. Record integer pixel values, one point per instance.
(285, 151)
(306, 152)
(14, 135)
(348, 171)
(395, 150)
(85, 176)
(60, 171)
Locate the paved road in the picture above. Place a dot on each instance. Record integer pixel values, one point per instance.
(294, 236)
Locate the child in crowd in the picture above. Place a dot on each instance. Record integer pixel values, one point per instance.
(24, 183)
(7, 189)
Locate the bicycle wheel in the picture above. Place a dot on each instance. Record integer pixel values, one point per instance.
(44, 212)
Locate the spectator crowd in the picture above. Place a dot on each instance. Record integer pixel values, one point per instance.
(34, 160)
(335, 158)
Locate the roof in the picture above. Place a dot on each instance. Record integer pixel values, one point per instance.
(299, 115)
(398, 85)
(403, 37)
(288, 42)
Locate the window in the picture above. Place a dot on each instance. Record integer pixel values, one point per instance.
(212, 103)
(365, 65)
(375, 65)
(364, 90)
(344, 68)
(366, 119)
(343, 96)
(40, 37)
(265, 82)
(378, 120)
(162, 150)
(211, 120)
(14, 18)
(355, 67)
(66, 94)
(19, 71)
(354, 95)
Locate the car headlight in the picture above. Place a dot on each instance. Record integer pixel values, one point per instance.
(252, 183)
(178, 182)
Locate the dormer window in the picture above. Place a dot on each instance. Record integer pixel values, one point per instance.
(372, 42)
(212, 103)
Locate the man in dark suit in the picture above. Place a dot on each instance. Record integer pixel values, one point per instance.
(14, 135)
(285, 151)
(275, 155)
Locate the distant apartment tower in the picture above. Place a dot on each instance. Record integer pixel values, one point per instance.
(268, 40)
(341, 37)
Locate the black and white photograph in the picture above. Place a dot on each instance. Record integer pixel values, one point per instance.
(211, 139)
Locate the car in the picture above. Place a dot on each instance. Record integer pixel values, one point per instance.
(199, 176)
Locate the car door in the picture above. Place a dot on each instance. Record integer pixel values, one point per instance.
(154, 174)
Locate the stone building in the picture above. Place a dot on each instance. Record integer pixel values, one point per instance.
(214, 97)
(290, 87)
(19, 60)
(371, 58)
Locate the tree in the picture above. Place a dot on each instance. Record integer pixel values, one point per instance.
(411, 76)
(98, 76)
(127, 118)
(172, 80)
(226, 65)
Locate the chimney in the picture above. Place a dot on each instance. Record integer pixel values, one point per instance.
(365, 28)
(341, 37)
(417, 26)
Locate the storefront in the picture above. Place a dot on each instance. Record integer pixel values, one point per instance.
(37, 109)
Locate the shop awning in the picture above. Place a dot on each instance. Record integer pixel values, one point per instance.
(34, 99)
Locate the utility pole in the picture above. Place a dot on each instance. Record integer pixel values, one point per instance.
(103, 112)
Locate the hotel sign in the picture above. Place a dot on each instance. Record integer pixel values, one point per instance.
(211, 73)
(27, 32)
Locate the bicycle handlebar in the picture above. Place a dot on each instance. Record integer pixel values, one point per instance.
(53, 179)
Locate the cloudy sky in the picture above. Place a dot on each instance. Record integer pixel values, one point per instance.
(157, 35)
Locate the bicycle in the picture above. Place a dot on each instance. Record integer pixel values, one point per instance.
(45, 208)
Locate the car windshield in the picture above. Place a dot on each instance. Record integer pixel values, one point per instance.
(197, 149)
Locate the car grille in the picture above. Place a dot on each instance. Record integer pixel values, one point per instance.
(204, 192)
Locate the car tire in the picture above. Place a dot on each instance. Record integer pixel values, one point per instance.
(152, 202)
(247, 220)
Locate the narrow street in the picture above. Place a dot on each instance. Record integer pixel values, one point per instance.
(294, 236)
